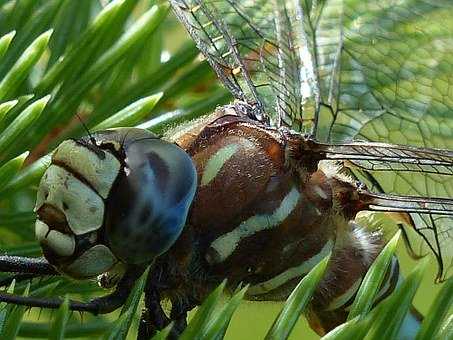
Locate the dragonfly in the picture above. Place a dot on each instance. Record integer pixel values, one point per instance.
(261, 190)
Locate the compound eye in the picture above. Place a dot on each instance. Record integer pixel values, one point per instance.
(148, 206)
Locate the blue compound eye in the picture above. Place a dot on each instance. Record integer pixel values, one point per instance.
(148, 204)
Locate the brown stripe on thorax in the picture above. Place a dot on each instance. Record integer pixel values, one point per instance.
(254, 181)
(256, 164)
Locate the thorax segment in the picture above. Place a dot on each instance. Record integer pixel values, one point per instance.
(256, 218)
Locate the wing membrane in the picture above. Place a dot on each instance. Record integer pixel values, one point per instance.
(431, 219)
(389, 168)
(344, 70)
(260, 52)
(385, 71)
(384, 157)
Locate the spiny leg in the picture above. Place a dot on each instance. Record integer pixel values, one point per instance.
(154, 319)
(102, 305)
(27, 268)
(26, 265)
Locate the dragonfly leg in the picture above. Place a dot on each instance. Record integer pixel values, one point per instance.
(26, 268)
(26, 265)
(102, 305)
(153, 317)
(179, 316)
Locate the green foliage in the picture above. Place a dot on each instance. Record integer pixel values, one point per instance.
(21, 124)
(58, 329)
(391, 316)
(130, 115)
(12, 167)
(432, 324)
(297, 302)
(373, 279)
(204, 313)
(63, 59)
(210, 321)
(130, 308)
(13, 319)
(218, 323)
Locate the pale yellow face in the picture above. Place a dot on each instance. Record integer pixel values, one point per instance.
(70, 207)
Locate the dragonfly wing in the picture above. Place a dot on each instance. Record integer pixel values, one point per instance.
(378, 157)
(402, 180)
(260, 52)
(431, 218)
(344, 70)
(385, 72)
(336, 69)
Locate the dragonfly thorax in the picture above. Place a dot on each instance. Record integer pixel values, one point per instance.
(253, 210)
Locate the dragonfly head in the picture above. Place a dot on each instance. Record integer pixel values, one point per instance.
(119, 196)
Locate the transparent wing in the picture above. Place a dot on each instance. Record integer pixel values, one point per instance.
(385, 70)
(378, 157)
(431, 218)
(402, 179)
(260, 52)
(385, 74)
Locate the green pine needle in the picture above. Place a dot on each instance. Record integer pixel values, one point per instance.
(11, 168)
(218, 323)
(200, 322)
(58, 329)
(296, 303)
(13, 319)
(439, 311)
(5, 41)
(388, 322)
(21, 69)
(132, 114)
(21, 124)
(373, 279)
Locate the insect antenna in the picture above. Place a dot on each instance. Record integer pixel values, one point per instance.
(92, 140)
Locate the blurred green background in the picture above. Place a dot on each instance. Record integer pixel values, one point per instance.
(100, 57)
